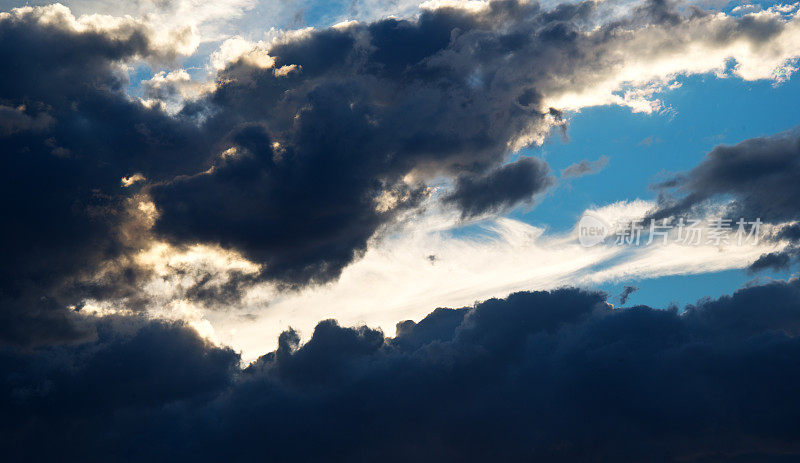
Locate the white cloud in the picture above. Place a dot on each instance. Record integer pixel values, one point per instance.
(631, 69)
(423, 264)
(640, 63)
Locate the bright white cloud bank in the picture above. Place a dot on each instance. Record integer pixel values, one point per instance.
(421, 266)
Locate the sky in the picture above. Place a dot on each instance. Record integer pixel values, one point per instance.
(453, 230)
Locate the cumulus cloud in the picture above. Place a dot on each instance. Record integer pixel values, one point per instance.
(554, 376)
(181, 24)
(172, 89)
(70, 133)
(637, 63)
(310, 145)
(135, 229)
(376, 110)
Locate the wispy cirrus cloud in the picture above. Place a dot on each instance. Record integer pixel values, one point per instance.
(498, 256)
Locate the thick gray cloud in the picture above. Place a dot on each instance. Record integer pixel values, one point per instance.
(760, 174)
(545, 376)
(779, 260)
(759, 178)
(502, 188)
(350, 114)
(361, 108)
(295, 165)
(68, 135)
(364, 111)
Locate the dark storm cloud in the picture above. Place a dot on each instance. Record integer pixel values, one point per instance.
(296, 166)
(354, 113)
(546, 376)
(502, 188)
(315, 150)
(363, 107)
(780, 260)
(759, 174)
(68, 134)
(306, 215)
(132, 371)
(585, 167)
(14, 120)
(759, 177)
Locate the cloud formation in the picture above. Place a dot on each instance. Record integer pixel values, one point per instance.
(301, 158)
(626, 293)
(758, 173)
(500, 189)
(474, 260)
(360, 114)
(553, 376)
(306, 147)
(754, 179)
(70, 134)
(585, 167)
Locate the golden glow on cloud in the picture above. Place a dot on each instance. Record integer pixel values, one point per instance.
(416, 268)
